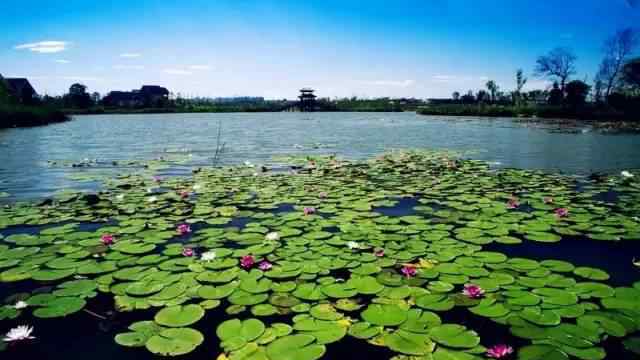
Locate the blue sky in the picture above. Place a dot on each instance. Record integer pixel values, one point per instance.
(426, 48)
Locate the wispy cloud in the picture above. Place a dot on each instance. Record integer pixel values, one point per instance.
(44, 47)
(177, 72)
(130, 55)
(394, 83)
(62, 61)
(128, 67)
(200, 67)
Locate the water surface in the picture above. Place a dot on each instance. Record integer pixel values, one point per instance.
(24, 153)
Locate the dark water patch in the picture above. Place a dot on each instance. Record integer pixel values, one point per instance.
(403, 207)
(615, 257)
(239, 222)
(609, 196)
(352, 348)
(283, 208)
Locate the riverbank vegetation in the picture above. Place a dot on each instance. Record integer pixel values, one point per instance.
(613, 95)
(14, 114)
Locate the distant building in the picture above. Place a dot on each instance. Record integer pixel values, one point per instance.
(307, 99)
(20, 89)
(147, 96)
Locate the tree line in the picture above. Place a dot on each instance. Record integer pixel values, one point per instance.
(616, 83)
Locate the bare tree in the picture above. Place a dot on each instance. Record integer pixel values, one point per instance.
(559, 63)
(617, 49)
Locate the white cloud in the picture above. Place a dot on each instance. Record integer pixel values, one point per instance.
(62, 61)
(128, 67)
(177, 72)
(44, 47)
(200, 67)
(395, 83)
(484, 78)
(130, 55)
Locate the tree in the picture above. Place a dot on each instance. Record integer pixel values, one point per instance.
(483, 96)
(521, 80)
(493, 89)
(556, 96)
(77, 97)
(468, 98)
(577, 92)
(631, 73)
(455, 96)
(558, 64)
(617, 49)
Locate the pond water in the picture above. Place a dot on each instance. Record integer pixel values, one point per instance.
(25, 153)
(424, 206)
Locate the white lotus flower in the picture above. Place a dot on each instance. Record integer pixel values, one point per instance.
(152, 199)
(19, 333)
(353, 245)
(197, 187)
(120, 197)
(20, 305)
(272, 236)
(208, 256)
(248, 164)
(626, 174)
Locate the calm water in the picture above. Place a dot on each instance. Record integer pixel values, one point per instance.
(24, 153)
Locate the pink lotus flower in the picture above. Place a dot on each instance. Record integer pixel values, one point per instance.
(547, 200)
(513, 203)
(184, 229)
(188, 252)
(157, 179)
(265, 265)
(309, 210)
(184, 194)
(409, 271)
(108, 239)
(473, 291)
(247, 261)
(499, 351)
(379, 252)
(562, 212)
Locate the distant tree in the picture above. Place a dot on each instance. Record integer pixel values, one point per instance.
(77, 97)
(556, 96)
(493, 89)
(483, 96)
(95, 97)
(577, 92)
(558, 64)
(617, 49)
(468, 98)
(521, 80)
(631, 73)
(4, 93)
(455, 96)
